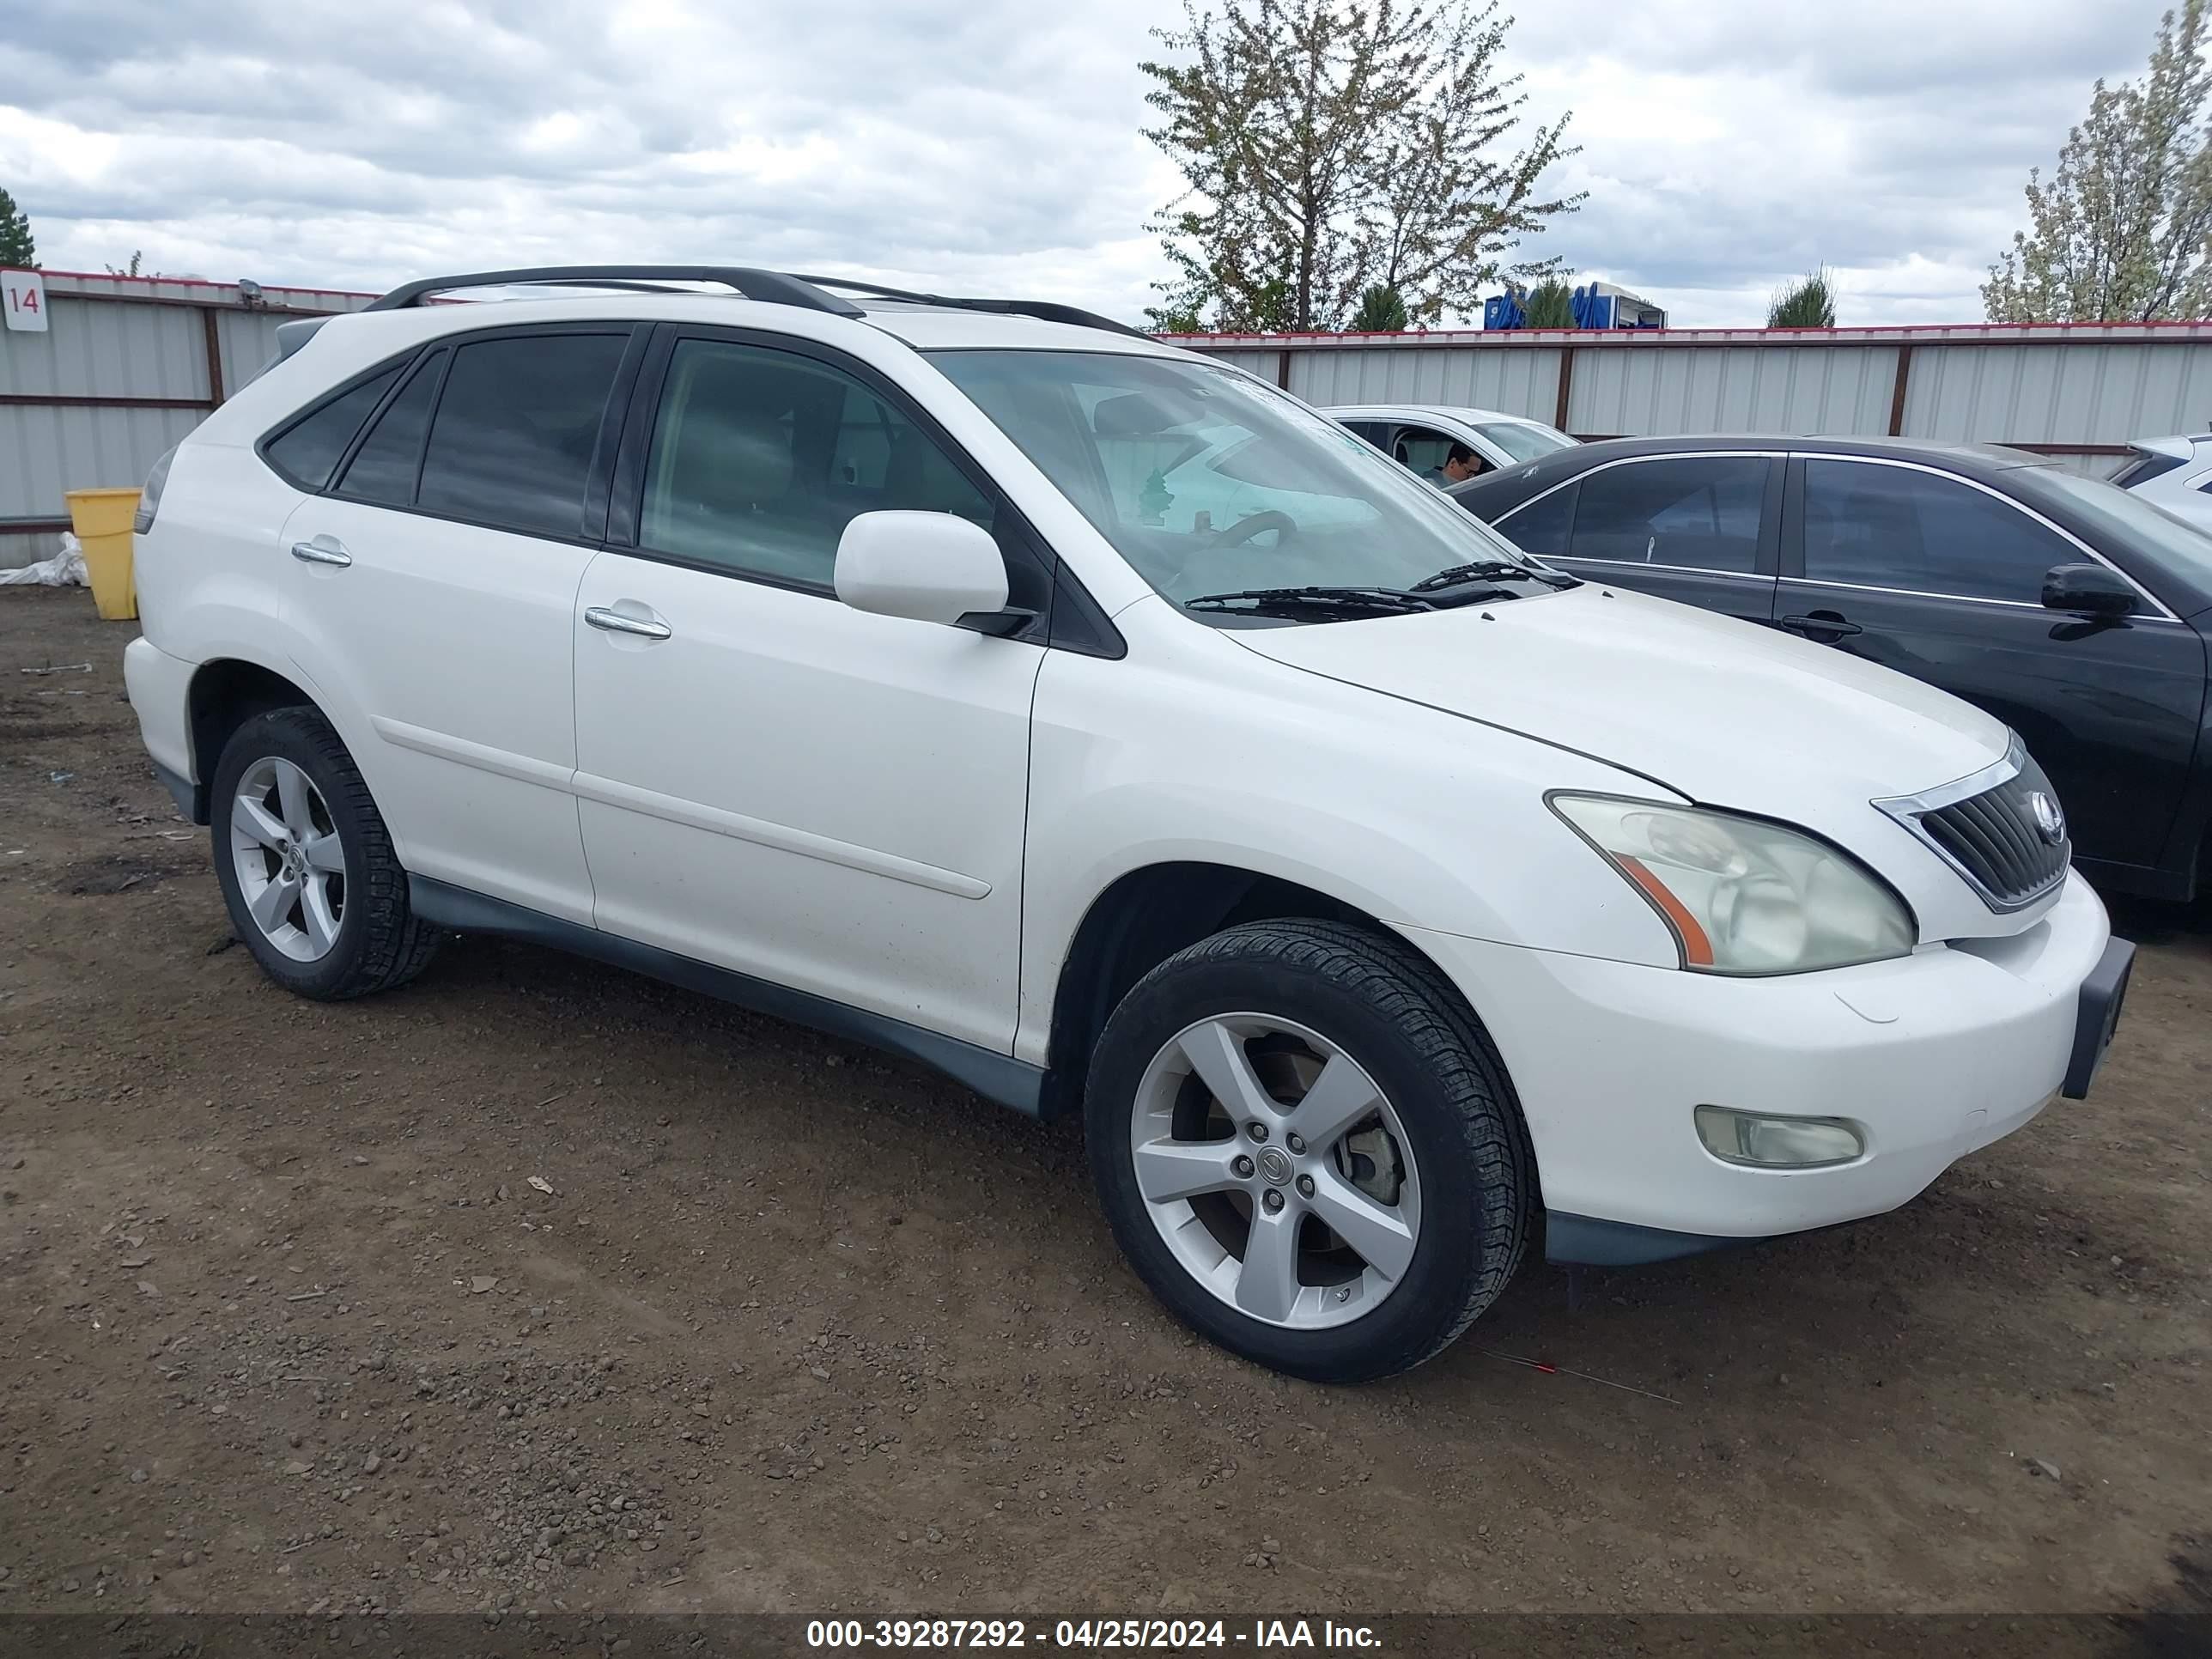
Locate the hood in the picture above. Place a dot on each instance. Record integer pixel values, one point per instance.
(1722, 712)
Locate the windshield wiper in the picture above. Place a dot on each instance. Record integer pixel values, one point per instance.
(1491, 570)
(1346, 601)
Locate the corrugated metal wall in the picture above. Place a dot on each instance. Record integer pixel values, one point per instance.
(2079, 392)
(128, 366)
(1484, 379)
(125, 367)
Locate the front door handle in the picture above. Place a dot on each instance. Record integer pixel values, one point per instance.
(614, 622)
(1825, 626)
(321, 550)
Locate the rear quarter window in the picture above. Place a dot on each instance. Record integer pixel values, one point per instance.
(307, 451)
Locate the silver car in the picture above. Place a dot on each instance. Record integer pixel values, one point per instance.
(2174, 473)
(1421, 436)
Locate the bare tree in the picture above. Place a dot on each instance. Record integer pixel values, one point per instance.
(1330, 145)
(2120, 231)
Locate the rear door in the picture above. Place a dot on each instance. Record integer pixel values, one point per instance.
(1698, 528)
(433, 582)
(1940, 577)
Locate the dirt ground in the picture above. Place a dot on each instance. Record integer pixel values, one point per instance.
(538, 1286)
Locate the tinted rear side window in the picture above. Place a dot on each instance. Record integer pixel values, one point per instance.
(515, 429)
(383, 469)
(307, 453)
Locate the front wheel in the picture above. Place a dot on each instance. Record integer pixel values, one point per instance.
(1308, 1149)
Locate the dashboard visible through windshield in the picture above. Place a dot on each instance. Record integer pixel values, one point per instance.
(1216, 488)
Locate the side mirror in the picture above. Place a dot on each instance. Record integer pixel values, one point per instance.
(925, 567)
(2089, 590)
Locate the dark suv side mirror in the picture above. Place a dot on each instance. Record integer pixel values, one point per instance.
(2091, 590)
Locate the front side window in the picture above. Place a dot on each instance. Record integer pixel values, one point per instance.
(1544, 527)
(2121, 518)
(1871, 525)
(516, 426)
(1208, 481)
(1697, 513)
(306, 451)
(761, 457)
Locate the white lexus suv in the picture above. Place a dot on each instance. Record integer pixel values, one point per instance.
(1390, 904)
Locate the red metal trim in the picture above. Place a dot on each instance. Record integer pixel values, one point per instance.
(1853, 437)
(1749, 335)
(198, 282)
(52, 400)
(176, 304)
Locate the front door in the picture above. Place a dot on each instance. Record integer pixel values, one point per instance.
(434, 588)
(1941, 579)
(770, 781)
(1700, 529)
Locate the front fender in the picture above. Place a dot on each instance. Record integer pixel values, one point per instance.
(1414, 817)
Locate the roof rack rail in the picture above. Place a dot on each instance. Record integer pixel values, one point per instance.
(1046, 311)
(772, 285)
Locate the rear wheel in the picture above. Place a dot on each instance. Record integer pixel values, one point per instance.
(306, 866)
(1308, 1149)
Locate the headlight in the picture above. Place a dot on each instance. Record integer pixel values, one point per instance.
(1743, 895)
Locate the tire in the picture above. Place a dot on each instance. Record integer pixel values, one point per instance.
(1466, 1189)
(359, 936)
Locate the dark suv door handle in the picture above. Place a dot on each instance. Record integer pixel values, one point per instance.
(1825, 626)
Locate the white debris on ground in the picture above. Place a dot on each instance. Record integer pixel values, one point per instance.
(64, 569)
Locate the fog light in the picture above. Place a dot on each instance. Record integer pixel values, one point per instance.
(1771, 1143)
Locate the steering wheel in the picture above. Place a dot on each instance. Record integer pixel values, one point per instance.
(1259, 523)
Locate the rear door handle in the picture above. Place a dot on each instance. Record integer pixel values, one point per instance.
(614, 622)
(321, 550)
(1822, 625)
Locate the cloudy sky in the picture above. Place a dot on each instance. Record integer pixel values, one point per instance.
(991, 145)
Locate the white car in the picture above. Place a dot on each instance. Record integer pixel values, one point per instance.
(1391, 905)
(1421, 437)
(2173, 473)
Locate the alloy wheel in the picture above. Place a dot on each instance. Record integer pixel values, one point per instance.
(1276, 1171)
(289, 859)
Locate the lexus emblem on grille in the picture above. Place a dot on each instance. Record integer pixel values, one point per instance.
(2049, 821)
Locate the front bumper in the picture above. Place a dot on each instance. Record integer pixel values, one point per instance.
(1931, 1055)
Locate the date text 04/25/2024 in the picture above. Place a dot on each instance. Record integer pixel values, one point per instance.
(1172, 1635)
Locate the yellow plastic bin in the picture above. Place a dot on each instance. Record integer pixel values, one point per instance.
(101, 518)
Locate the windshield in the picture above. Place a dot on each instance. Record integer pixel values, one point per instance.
(2124, 514)
(1524, 440)
(1209, 482)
